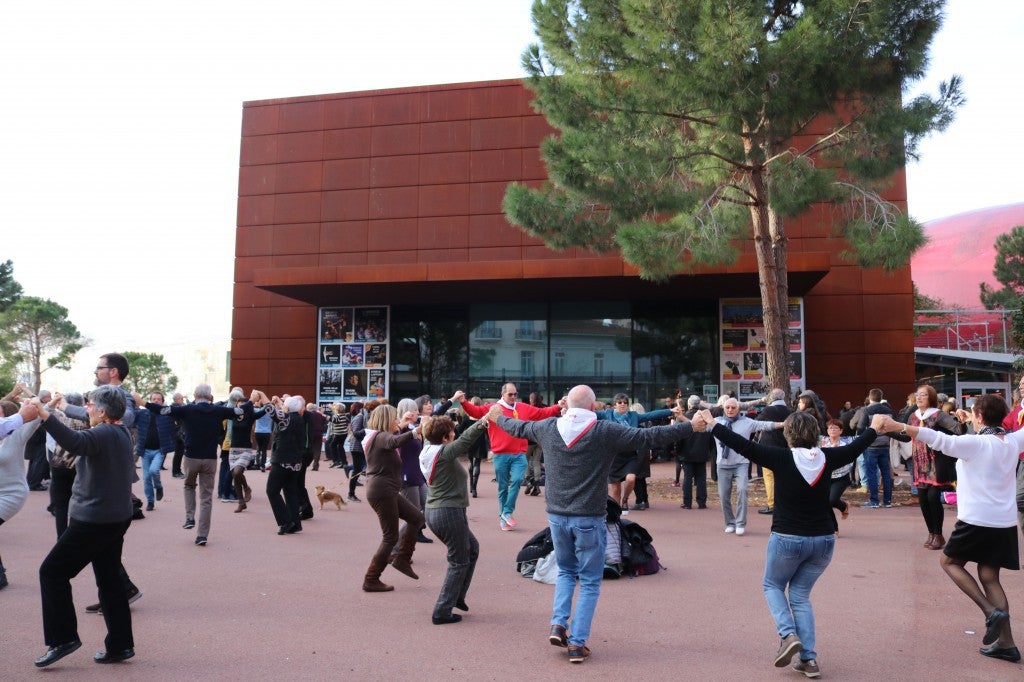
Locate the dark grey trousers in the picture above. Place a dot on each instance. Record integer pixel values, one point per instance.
(451, 526)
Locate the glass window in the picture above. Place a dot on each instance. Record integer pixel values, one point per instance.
(594, 339)
(429, 351)
(673, 354)
(507, 343)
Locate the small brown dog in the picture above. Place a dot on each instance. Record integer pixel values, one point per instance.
(328, 496)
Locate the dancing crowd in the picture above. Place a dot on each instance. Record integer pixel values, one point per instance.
(584, 455)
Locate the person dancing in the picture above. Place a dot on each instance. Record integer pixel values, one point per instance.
(986, 529)
(803, 525)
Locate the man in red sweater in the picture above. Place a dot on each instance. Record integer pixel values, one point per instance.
(509, 452)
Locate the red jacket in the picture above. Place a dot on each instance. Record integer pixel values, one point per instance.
(501, 442)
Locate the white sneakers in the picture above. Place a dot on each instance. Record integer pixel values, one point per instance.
(739, 530)
(730, 529)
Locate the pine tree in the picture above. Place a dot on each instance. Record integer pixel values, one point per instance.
(688, 124)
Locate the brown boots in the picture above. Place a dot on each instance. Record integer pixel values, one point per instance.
(935, 541)
(372, 583)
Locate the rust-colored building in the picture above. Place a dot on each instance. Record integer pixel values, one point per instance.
(392, 199)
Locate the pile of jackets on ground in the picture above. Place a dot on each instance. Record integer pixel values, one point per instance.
(629, 551)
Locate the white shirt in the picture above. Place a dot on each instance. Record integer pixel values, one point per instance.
(744, 426)
(986, 466)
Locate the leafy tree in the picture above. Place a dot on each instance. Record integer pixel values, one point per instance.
(36, 334)
(688, 124)
(1008, 270)
(148, 372)
(10, 290)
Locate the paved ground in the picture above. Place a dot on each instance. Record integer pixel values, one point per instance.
(258, 606)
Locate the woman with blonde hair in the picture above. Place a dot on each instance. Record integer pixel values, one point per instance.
(384, 433)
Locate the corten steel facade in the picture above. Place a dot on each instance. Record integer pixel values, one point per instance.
(394, 197)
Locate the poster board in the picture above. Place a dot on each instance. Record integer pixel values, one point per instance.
(353, 348)
(743, 362)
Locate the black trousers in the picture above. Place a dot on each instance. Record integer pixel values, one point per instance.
(283, 493)
(61, 480)
(179, 452)
(695, 473)
(83, 543)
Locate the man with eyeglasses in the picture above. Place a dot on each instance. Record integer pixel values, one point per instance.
(733, 466)
(509, 451)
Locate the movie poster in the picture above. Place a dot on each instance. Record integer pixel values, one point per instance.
(330, 383)
(371, 324)
(376, 355)
(330, 354)
(352, 353)
(336, 324)
(376, 383)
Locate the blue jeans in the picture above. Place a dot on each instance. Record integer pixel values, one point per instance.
(152, 460)
(875, 460)
(579, 550)
(509, 470)
(797, 562)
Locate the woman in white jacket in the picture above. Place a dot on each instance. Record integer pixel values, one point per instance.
(13, 486)
(986, 527)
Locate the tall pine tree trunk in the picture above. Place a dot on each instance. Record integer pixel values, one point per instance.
(770, 246)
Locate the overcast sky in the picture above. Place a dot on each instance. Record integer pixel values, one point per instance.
(121, 128)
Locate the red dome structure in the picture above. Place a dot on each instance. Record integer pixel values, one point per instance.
(960, 254)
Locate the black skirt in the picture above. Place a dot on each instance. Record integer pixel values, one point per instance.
(623, 464)
(982, 545)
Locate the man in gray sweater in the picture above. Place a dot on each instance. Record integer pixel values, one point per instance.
(578, 453)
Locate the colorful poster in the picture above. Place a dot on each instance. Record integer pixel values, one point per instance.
(335, 324)
(744, 346)
(371, 324)
(376, 355)
(352, 355)
(732, 365)
(352, 340)
(376, 385)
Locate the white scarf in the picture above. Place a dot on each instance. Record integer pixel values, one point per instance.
(428, 460)
(810, 463)
(370, 433)
(574, 423)
(928, 411)
(510, 408)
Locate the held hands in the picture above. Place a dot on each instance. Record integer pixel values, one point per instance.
(493, 413)
(881, 423)
(459, 397)
(964, 416)
(702, 420)
(407, 418)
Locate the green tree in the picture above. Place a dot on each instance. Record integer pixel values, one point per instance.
(36, 334)
(148, 372)
(688, 124)
(10, 290)
(1008, 270)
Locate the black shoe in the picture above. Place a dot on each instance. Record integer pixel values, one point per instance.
(113, 656)
(473, 492)
(640, 506)
(536, 491)
(134, 594)
(295, 528)
(283, 530)
(685, 506)
(200, 540)
(702, 506)
(55, 653)
(189, 523)
(993, 624)
(306, 515)
(352, 498)
(359, 484)
(39, 487)
(3, 577)
(1010, 653)
(444, 620)
(149, 506)
(423, 538)
(766, 510)
(159, 494)
(461, 605)
(179, 475)
(138, 515)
